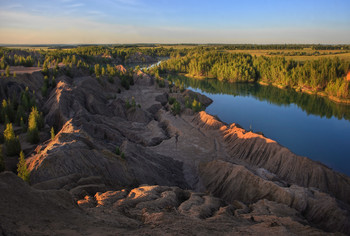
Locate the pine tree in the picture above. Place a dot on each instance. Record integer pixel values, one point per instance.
(12, 144)
(52, 132)
(33, 130)
(7, 71)
(23, 125)
(22, 170)
(97, 70)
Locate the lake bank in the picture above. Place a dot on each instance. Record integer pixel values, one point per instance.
(309, 125)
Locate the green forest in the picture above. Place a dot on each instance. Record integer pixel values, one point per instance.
(324, 75)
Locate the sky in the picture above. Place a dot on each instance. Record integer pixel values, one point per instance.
(174, 21)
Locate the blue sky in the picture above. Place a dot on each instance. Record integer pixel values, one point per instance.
(176, 21)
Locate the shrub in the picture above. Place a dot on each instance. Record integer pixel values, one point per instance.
(127, 104)
(188, 103)
(171, 100)
(117, 150)
(176, 108)
(133, 103)
(196, 106)
(122, 155)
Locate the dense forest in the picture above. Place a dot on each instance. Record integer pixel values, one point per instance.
(323, 75)
(212, 61)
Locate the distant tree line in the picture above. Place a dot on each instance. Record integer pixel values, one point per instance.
(327, 75)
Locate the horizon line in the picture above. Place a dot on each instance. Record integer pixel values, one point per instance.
(93, 44)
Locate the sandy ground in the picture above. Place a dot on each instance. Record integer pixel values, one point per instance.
(25, 70)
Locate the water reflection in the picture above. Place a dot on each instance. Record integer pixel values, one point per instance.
(311, 104)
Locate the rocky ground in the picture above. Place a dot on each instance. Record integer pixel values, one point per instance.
(182, 174)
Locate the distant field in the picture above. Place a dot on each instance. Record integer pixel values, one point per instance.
(342, 54)
(172, 46)
(28, 47)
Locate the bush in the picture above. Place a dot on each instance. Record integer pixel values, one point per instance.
(133, 103)
(171, 100)
(127, 104)
(176, 108)
(196, 106)
(122, 155)
(117, 150)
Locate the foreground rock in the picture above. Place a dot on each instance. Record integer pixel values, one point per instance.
(155, 210)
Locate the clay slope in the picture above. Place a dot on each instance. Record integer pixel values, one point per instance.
(234, 182)
(259, 151)
(155, 210)
(263, 187)
(92, 123)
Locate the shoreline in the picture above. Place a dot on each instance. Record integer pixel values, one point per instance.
(310, 92)
(297, 89)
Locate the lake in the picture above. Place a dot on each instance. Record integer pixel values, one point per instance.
(308, 125)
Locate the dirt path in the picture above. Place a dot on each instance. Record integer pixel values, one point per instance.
(27, 70)
(194, 145)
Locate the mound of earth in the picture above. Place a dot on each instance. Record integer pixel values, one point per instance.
(117, 150)
(155, 210)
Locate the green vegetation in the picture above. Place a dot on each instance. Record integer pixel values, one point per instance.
(171, 100)
(176, 108)
(22, 170)
(325, 75)
(35, 123)
(7, 71)
(117, 150)
(311, 104)
(122, 155)
(196, 106)
(12, 144)
(52, 133)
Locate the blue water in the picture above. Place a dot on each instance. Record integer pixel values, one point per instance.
(308, 125)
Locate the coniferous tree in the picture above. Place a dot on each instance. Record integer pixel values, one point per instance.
(97, 70)
(7, 71)
(33, 130)
(22, 170)
(52, 132)
(12, 144)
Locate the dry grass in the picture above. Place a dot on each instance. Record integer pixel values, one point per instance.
(172, 46)
(30, 48)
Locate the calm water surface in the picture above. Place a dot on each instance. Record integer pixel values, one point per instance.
(306, 124)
